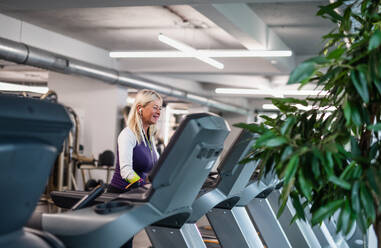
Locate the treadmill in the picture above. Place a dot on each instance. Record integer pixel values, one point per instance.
(222, 191)
(31, 136)
(249, 226)
(176, 181)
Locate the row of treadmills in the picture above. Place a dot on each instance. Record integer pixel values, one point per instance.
(239, 207)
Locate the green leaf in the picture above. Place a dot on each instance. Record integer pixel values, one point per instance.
(329, 159)
(318, 60)
(294, 218)
(281, 209)
(302, 73)
(356, 116)
(332, 71)
(274, 142)
(250, 157)
(347, 22)
(330, 11)
(286, 153)
(355, 149)
(358, 79)
(361, 221)
(339, 182)
(357, 172)
(287, 189)
(315, 167)
(344, 218)
(291, 168)
(302, 150)
(290, 121)
(375, 41)
(373, 66)
(298, 207)
(355, 199)
(346, 171)
(305, 185)
(335, 54)
(375, 127)
(263, 138)
(252, 127)
(377, 83)
(268, 119)
(285, 107)
(325, 211)
(287, 100)
(331, 147)
(373, 182)
(367, 203)
(347, 112)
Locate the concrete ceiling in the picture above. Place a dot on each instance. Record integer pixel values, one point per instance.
(213, 24)
(296, 24)
(133, 28)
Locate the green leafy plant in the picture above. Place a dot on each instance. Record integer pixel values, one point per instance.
(330, 160)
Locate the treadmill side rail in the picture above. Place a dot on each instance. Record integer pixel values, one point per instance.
(233, 228)
(186, 236)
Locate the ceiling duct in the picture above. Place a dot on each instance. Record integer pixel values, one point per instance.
(24, 54)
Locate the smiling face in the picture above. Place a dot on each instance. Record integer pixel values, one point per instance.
(151, 112)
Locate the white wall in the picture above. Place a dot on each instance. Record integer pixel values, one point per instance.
(96, 104)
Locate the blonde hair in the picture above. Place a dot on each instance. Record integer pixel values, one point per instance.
(134, 121)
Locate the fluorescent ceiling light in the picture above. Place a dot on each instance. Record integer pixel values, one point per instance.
(207, 53)
(299, 106)
(18, 87)
(277, 93)
(245, 53)
(150, 54)
(190, 51)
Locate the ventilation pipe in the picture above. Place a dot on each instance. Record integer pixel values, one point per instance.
(24, 54)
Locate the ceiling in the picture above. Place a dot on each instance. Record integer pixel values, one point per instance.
(214, 24)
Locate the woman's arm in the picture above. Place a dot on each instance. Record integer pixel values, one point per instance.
(126, 144)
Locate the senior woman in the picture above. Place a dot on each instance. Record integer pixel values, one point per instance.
(136, 151)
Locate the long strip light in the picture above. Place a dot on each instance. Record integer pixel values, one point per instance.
(269, 106)
(27, 88)
(207, 53)
(190, 51)
(277, 93)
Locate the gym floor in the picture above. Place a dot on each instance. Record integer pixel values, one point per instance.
(141, 240)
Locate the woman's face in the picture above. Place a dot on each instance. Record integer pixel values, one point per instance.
(151, 112)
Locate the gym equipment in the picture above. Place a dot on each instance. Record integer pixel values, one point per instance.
(87, 199)
(245, 229)
(91, 184)
(300, 233)
(177, 179)
(105, 162)
(221, 192)
(31, 135)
